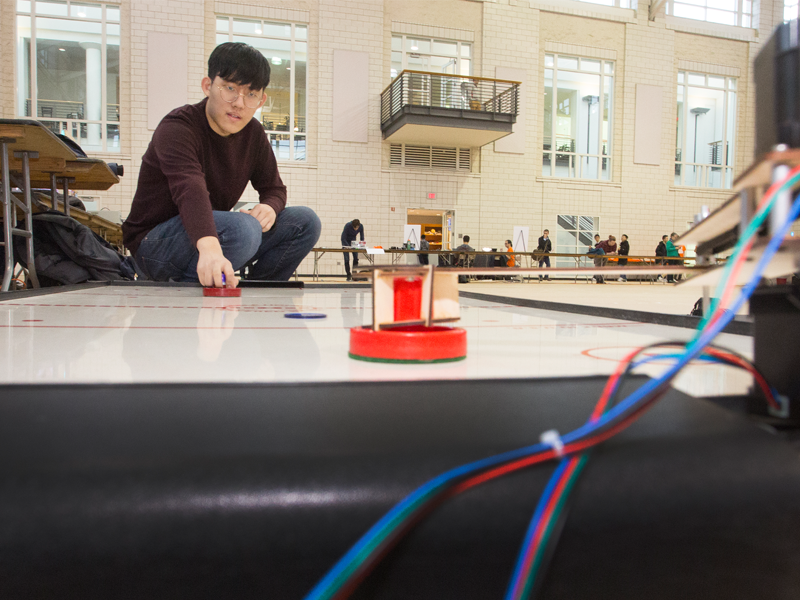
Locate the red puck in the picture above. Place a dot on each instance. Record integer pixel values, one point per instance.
(224, 292)
(409, 344)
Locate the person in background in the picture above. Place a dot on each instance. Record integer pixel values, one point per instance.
(545, 247)
(510, 257)
(423, 245)
(672, 251)
(661, 251)
(624, 250)
(351, 230)
(600, 251)
(462, 260)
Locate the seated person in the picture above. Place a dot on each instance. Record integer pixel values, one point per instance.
(603, 248)
(510, 258)
(197, 166)
(464, 259)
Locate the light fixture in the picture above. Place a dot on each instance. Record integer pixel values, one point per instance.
(258, 30)
(82, 14)
(275, 60)
(62, 49)
(288, 68)
(414, 46)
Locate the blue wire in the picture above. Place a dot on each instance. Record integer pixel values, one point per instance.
(692, 350)
(537, 516)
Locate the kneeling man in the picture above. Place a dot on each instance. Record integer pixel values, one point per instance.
(196, 168)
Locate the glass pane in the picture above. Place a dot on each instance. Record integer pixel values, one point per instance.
(547, 160)
(112, 14)
(607, 132)
(69, 71)
(588, 223)
(24, 6)
(418, 45)
(567, 62)
(445, 48)
(112, 31)
(397, 43)
(716, 82)
(466, 50)
(692, 175)
(51, 7)
(300, 95)
(606, 169)
(608, 68)
(548, 109)
(567, 221)
(731, 84)
(299, 147)
(721, 16)
(728, 178)
(747, 7)
(578, 113)
(730, 130)
(590, 65)
(247, 27)
(680, 76)
(690, 12)
(697, 79)
(714, 175)
(704, 131)
(585, 241)
(23, 66)
(679, 126)
(746, 21)
(301, 32)
(548, 60)
(588, 167)
(729, 5)
(222, 38)
(466, 67)
(86, 11)
(568, 239)
(397, 64)
(222, 23)
(678, 174)
(112, 138)
(281, 30)
(112, 81)
(280, 145)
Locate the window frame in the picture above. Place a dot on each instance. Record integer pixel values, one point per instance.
(741, 17)
(790, 10)
(404, 53)
(559, 248)
(729, 158)
(73, 124)
(577, 158)
(293, 135)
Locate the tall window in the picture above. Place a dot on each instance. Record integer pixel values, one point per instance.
(430, 55)
(578, 104)
(68, 69)
(285, 45)
(727, 12)
(789, 10)
(575, 235)
(705, 133)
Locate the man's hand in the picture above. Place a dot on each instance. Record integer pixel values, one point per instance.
(211, 264)
(265, 215)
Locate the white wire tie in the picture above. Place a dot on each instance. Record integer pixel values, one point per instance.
(551, 437)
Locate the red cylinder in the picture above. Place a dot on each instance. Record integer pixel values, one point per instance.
(407, 298)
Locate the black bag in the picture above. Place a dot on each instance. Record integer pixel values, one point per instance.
(66, 252)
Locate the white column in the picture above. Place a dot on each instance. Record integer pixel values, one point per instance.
(94, 93)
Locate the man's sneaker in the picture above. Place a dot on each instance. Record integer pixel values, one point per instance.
(349, 278)
(660, 279)
(620, 279)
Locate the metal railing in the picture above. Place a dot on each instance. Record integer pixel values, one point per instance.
(703, 175)
(437, 90)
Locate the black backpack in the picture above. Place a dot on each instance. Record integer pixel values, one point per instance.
(66, 252)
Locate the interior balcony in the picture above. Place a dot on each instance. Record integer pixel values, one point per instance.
(448, 110)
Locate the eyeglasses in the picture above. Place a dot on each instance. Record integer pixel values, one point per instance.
(230, 93)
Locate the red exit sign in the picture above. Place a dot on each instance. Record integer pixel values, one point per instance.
(431, 195)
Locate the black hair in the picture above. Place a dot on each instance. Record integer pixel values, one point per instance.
(355, 223)
(508, 242)
(423, 236)
(664, 236)
(466, 239)
(240, 64)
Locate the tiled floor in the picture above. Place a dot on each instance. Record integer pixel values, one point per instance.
(152, 334)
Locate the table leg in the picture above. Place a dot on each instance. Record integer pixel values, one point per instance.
(26, 177)
(7, 212)
(66, 196)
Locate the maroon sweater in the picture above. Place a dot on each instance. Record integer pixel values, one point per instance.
(189, 170)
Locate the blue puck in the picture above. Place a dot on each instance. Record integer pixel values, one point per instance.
(305, 315)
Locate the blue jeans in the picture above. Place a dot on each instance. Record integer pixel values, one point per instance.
(167, 254)
(347, 260)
